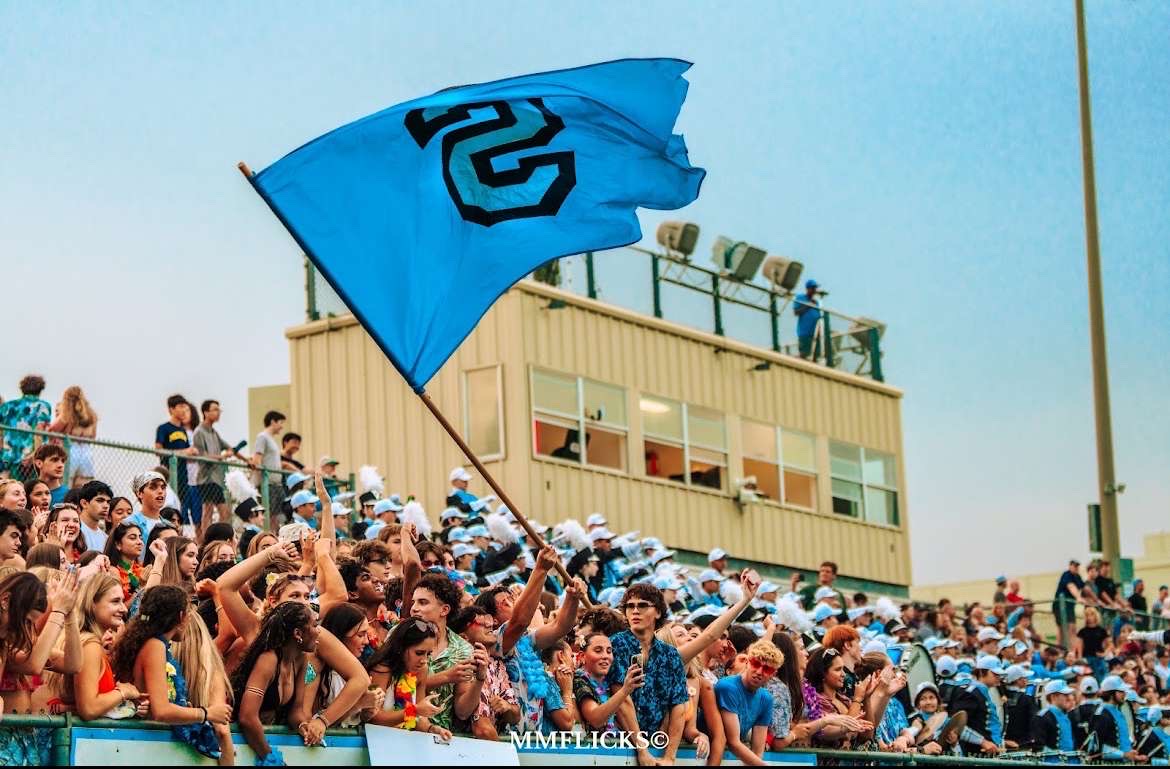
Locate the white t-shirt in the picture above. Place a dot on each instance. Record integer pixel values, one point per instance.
(95, 539)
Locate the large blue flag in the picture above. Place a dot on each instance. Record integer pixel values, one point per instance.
(423, 214)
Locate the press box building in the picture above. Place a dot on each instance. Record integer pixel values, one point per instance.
(671, 418)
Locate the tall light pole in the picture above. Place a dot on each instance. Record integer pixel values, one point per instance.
(1106, 483)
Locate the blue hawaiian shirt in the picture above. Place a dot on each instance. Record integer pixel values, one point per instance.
(665, 680)
(893, 721)
(28, 412)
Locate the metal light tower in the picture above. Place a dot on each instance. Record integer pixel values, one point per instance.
(1106, 483)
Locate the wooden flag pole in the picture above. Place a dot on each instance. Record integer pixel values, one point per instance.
(533, 537)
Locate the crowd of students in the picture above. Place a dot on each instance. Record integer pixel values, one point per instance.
(317, 614)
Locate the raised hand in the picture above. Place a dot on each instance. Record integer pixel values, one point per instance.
(547, 558)
(159, 548)
(286, 550)
(63, 592)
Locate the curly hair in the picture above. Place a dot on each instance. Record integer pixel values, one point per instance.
(465, 616)
(75, 409)
(26, 594)
(371, 550)
(486, 600)
(32, 384)
(392, 653)
(276, 631)
(603, 619)
(443, 588)
(161, 610)
(351, 570)
(652, 594)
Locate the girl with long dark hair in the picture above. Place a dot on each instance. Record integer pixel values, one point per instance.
(143, 657)
(272, 675)
(400, 668)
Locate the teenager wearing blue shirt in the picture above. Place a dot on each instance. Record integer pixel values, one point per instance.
(660, 703)
(746, 706)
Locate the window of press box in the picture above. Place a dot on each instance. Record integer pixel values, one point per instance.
(865, 484)
(483, 411)
(565, 408)
(682, 443)
(783, 463)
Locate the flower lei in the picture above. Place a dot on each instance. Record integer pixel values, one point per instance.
(130, 574)
(404, 690)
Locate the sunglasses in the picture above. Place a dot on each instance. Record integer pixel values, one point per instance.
(423, 626)
(637, 606)
(767, 670)
(488, 624)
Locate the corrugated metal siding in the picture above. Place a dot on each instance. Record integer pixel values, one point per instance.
(356, 407)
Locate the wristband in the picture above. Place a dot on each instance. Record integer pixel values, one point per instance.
(320, 714)
(204, 714)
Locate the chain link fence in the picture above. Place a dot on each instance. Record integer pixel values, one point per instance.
(116, 464)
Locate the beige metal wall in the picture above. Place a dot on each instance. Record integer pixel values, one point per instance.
(352, 404)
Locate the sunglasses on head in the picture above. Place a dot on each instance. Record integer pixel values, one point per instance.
(637, 605)
(424, 627)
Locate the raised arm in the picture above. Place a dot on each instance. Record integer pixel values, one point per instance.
(237, 611)
(547, 635)
(526, 604)
(711, 633)
(411, 567)
(328, 528)
(330, 585)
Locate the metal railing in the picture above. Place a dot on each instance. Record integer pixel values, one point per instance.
(854, 342)
(62, 727)
(116, 463)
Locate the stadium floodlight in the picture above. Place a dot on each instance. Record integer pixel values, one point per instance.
(782, 272)
(679, 237)
(740, 259)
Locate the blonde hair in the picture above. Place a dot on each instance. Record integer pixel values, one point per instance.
(201, 662)
(6, 482)
(767, 653)
(694, 668)
(1092, 612)
(75, 409)
(88, 594)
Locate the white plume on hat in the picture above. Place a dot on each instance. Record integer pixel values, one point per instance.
(369, 480)
(414, 513)
(731, 591)
(575, 533)
(240, 487)
(885, 609)
(790, 615)
(500, 528)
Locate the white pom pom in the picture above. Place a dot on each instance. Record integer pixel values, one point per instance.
(240, 487)
(790, 615)
(885, 609)
(501, 529)
(576, 535)
(414, 513)
(369, 480)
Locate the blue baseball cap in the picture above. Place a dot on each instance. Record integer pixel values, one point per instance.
(386, 506)
(458, 534)
(810, 283)
(302, 497)
(478, 530)
(294, 478)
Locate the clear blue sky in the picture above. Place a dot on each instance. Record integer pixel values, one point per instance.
(921, 158)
